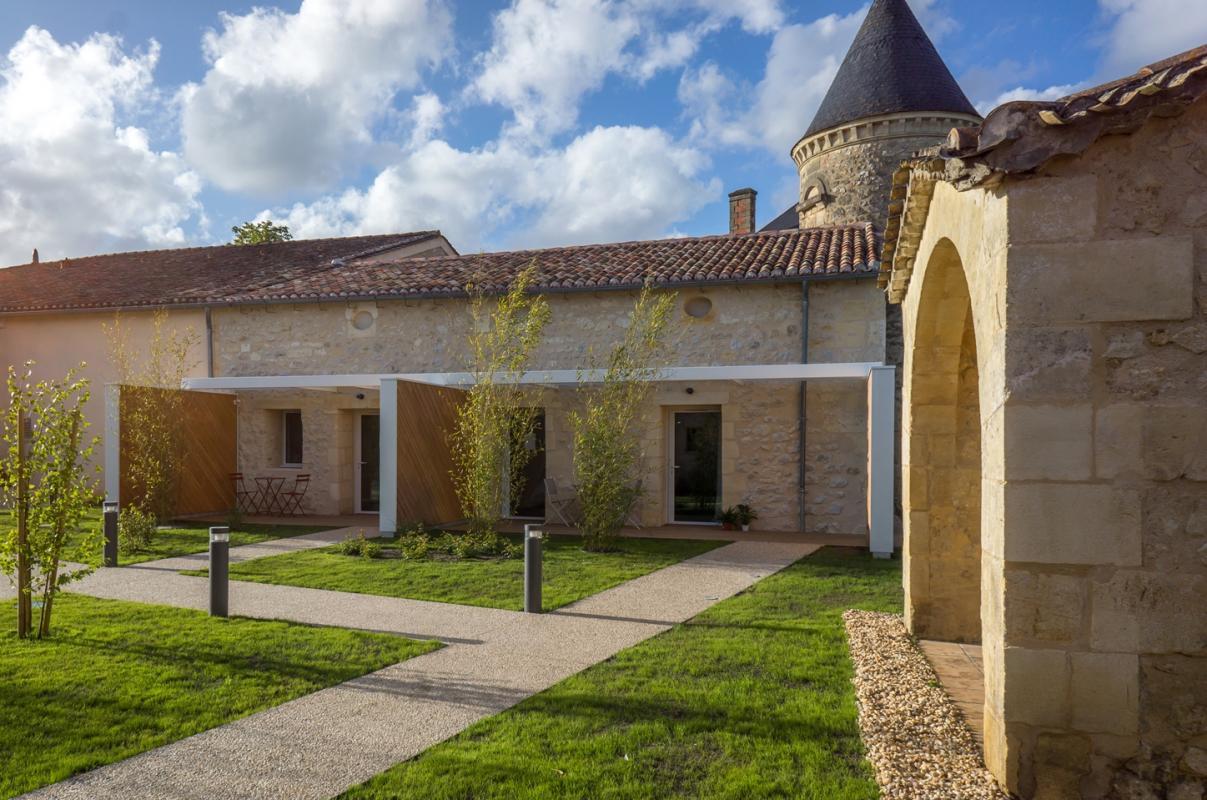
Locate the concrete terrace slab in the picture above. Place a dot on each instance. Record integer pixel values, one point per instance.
(319, 745)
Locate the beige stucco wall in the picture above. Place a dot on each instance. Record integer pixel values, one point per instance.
(58, 342)
(747, 325)
(1089, 298)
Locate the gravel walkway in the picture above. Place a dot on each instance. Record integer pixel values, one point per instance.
(321, 744)
(917, 742)
(271, 547)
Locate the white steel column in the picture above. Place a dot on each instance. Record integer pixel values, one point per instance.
(387, 513)
(881, 433)
(113, 439)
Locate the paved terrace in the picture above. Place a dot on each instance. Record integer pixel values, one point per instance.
(319, 745)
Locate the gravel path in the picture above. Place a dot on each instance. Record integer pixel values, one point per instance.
(321, 744)
(917, 742)
(271, 547)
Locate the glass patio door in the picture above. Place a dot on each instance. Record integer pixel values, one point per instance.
(369, 466)
(696, 463)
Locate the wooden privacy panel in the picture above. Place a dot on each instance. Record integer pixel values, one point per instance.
(209, 428)
(425, 487)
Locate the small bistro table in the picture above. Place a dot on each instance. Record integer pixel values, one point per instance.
(270, 494)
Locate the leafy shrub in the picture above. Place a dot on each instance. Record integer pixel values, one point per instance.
(478, 545)
(136, 529)
(415, 544)
(360, 546)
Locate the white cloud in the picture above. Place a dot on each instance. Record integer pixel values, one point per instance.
(1022, 93)
(289, 99)
(546, 55)
(801, 63)
(75, 178)
(1144, 31)
(607, 184)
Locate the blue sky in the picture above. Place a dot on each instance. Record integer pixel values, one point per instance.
(127, 124)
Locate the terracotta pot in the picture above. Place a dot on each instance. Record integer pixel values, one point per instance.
(727, 526)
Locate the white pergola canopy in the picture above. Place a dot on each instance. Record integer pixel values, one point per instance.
(881, 422)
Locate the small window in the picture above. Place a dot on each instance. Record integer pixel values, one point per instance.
(698, 307)
(292, 438)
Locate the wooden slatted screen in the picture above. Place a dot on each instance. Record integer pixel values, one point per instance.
(425, 488)
(210, 428)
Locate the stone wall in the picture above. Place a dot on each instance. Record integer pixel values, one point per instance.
(1090, 311)
(746, 325)
(58, 342)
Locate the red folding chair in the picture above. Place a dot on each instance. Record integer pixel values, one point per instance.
(291, 501)
(246, 499)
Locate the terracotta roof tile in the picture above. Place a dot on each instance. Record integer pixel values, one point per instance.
(768, 256)
(304, 270)
(194, 275)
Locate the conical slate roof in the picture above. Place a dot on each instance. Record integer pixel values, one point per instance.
(892, 66)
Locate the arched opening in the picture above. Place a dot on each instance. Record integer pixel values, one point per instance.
(942, 460)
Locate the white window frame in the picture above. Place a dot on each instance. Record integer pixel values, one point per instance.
(285, 462)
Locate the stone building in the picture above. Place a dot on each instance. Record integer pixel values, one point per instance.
(1051, 264)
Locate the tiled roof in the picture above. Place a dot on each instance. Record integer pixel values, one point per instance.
(1020, 137)
(892, 66)
(194, 275)
(768, 257)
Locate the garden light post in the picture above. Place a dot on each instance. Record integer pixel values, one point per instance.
(219, 570)
(109, 513)
(532, 568)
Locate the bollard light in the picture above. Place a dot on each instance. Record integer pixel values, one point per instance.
(219, 571)
(533, 535)
(109, 519)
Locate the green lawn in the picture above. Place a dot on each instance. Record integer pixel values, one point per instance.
(180, 540)
(570, 573)
(119, 678)
(752, 699)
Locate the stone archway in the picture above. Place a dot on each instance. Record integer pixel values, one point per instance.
(942, 459)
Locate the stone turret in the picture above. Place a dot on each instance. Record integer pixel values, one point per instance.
(892, 96)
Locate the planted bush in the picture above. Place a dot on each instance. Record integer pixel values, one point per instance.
(360, 546)
(136, 529)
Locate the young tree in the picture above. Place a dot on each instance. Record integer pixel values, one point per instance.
(152, 404)
(44, 484)
(607, 452)
(260, 233)
(495, 420)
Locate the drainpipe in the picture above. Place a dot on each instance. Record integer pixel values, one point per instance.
(804, 359)
(209, 343)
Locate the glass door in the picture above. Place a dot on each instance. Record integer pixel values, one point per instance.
(369, 465)
(696, 463)
(529, 501)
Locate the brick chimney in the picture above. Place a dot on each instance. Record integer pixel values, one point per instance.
(741, 211)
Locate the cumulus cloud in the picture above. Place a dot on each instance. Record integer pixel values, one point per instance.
(75, 177)
(801, 63)
(1144, 31)
(289, 100)
(609, 183)
(545, 55)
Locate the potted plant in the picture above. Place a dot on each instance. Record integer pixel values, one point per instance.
(744, 515)
(730, 519)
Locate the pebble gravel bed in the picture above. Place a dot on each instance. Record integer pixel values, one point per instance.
(917, 742)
